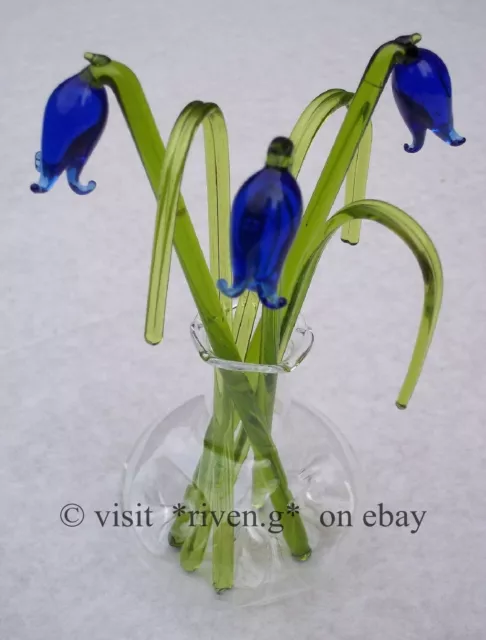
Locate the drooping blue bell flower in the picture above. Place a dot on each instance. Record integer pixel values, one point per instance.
(422, 91)
(265, 217)
(74, 119)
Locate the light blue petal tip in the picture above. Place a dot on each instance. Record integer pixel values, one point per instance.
(455, 140)
(232, 292)
(73, 181)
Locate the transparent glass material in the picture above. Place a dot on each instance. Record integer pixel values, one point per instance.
(249, 446)
(423, 93)
(348, 161)
(74, 119)
(265, 216)
(248, 556)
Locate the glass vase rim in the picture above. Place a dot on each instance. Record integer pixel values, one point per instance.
(299, 346)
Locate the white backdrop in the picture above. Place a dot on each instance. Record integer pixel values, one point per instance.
(78, 382)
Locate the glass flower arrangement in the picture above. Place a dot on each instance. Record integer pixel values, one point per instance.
(263, 249)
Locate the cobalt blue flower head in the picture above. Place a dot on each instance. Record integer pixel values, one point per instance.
(74, 119)
(422, 90)
(264, 220)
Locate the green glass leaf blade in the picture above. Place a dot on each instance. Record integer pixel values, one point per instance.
(190, 119)
(244, 320)
(219, 204)
(427, 257)
(311, 120)
(356, 180)
(303, 133)
(136, 110)
(149, 145)
(357, 118)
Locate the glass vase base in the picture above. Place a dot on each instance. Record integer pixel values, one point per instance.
(323, 477)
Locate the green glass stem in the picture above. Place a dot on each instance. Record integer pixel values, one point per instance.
(244, 320)
(261, 442)
(356, 180)
(355, 130)
(193, 497)
(173, 222)
(273, 474)
(217, 170)
(311, 120)
(221, 497)
(427, 257)
(358, 148)
(221, 494)
(349, 158)
(303, 135)
(214, 493)
(196, 535)
(308, 125)
(357, 118)
(193, 494)
(266, 389)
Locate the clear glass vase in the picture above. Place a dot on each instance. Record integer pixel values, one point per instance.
(256, 518)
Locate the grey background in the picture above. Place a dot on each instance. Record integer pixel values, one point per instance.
(78, 383)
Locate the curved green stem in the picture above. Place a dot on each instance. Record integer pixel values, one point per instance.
(356, 180)
(311, 120)
(303, 134)
(149, 145)
(266, 390)
(424, 251)
(244, 320)
(195, 114)
(333, 174)
(148, 142)
(351, 150)
(349, 157)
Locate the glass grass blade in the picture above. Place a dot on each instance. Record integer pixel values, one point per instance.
(358, 115)
(244, 320)
(311, 120)
(305, 130)
(149, 145)
(219, 201)
(417, 240)
(356, 180)
(315, 219)
(210, 117)
(341, 158)
(303, 133)
(220, 432)
(415, 237)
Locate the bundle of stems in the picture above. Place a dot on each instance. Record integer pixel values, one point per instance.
(243, 402)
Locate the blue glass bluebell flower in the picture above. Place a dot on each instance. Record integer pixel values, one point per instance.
(422, 91)
(265, 217)
(74, 119)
